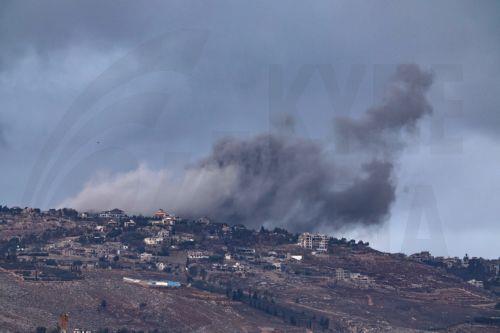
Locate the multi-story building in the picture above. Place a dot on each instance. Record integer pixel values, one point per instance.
(198, 255)
(316, 242)
(357, 279)
(153, 240)
(341, 274)
(114, 214)
(129, 224)
(160, 214)
(421, 256)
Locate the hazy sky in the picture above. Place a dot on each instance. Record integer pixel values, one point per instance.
(89, 90)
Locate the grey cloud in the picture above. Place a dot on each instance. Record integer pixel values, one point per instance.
(57, 25)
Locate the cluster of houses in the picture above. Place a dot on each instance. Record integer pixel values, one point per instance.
(104, 242)
(99, 244)
(94, 245)
(490, 269)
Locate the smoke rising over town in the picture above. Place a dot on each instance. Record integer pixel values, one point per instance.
(280, 180)
(287, 77)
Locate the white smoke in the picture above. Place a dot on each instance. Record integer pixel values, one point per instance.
(144, 190)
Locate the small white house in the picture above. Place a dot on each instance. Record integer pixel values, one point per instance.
(153, 240)
(476, 283)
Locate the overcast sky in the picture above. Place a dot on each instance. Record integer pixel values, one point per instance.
(91, 89)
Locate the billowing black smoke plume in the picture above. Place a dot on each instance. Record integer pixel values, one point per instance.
(380, 127)
(283, 181)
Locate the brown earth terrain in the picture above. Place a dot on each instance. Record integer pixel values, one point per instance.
(26, 305)
(405, 296)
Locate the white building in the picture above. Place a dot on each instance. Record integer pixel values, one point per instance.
(198, 255)
(316, 242)
(163, 233)
(145, 257)
(129, 224)
(297, 257)
(341, 274)
(476, 283)
(113, 214)
(153, 240)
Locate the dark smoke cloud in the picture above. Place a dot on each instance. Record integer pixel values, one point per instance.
(381, 126)
(368, 199)
(287, 181)
(284, 181)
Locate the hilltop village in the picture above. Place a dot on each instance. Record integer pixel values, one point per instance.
(295, 282)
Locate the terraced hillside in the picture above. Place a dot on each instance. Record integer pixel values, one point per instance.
(26, 305)
(404, 296)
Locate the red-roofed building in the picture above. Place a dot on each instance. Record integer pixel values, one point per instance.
(160, 214)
